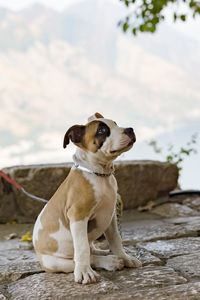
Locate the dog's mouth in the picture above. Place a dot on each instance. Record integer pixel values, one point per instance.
(130, 144)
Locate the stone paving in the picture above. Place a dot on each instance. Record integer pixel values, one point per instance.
(170, 254)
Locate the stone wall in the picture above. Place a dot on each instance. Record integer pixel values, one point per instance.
(138, 181)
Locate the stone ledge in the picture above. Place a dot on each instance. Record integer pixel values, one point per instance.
(138, 181)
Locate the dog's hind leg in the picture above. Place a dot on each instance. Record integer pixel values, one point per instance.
(97, 251)
(52, 263)
(109, 262)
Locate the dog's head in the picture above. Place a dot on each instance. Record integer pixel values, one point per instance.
(101, 135)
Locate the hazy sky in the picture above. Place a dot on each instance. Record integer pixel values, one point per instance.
(56, 4)
(191, 27)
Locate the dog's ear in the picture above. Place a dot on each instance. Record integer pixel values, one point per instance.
(75, 134)
(95, 116)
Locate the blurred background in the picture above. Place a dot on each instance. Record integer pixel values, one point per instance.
(61, 61)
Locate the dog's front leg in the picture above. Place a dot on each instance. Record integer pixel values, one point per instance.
(115, 244)
(83, 273)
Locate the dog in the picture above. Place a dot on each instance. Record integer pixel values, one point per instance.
(83, 207)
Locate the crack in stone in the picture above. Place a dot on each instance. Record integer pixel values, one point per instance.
(24, 275)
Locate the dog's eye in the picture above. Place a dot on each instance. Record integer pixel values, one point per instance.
(102, 131)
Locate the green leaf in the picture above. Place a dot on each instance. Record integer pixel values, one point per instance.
(126, 3)
(141, 28)
(175, 17)
(125, 27)
(134, 31)
(183, 18)
(184, 151)
(192, 4)
(169, 158)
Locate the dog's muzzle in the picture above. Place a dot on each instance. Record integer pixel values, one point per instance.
(131, 134)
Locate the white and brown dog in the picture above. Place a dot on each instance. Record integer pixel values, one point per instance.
(83, 207)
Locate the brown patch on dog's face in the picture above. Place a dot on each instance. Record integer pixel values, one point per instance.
(95, 135)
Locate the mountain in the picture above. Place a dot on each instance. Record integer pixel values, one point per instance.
(87, 25)
(91, 25)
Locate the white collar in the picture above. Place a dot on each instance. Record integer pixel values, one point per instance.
(78, 167)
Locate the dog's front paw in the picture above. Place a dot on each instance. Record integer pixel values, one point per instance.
(131, 262)
(85, 274)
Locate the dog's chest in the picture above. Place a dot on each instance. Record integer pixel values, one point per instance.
(105, 192)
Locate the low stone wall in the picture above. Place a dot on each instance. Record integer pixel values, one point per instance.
(138, 181)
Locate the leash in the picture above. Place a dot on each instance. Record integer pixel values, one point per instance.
(20, 188)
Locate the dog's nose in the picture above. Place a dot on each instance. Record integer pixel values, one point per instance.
(129, 131)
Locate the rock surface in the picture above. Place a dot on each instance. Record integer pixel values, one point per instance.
(173, 210)
(139, 182)
(170, 267)
(39, 180)
(188, 265)
(8, 205)
(40, 285)
(193, 202)
(135, 231)
(15, 264)
(170, 248)
(176, 292)
(145, 257)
